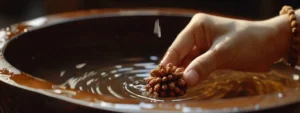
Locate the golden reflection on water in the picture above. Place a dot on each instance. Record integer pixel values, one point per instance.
(231, 84)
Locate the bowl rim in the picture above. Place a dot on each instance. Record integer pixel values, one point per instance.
(52, 20)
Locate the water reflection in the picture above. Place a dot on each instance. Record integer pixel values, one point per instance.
(127, 81)
(296, 77)
(153, 58)
(37, 22)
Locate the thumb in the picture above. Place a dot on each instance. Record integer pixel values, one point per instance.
(200, 68)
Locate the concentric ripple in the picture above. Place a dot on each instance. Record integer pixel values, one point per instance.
(127, 81)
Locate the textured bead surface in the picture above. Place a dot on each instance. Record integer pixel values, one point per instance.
(166, 82)
(292, 17)
(295, 32)
(293, 24)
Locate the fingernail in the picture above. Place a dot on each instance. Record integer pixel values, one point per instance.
(191, 77)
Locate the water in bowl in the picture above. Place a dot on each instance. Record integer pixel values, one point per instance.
(126, 81)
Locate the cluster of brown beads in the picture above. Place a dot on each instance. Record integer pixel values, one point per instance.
(166, 82)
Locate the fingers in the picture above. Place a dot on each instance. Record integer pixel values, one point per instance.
(200, 68)
(185, 41)
(180, 47)
(195, 52)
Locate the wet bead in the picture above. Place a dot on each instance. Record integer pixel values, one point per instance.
(157, 88)
(170, 77)
(158, 80)
(163, 72)
(181, 83)
(152, 83)
(164, 87)
(171, 86)
(164, 79)
(148, 79)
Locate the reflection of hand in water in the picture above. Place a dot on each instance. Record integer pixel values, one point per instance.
(211, 42)
(221, 84)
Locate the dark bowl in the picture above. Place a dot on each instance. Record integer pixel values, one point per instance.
(41, 54)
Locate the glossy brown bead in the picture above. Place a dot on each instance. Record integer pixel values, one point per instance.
(178, 75)
(292, 17)
(170, 77)
(168, 69)
(154, 73)
(286, 8)
(294, 24)
(181, 83)
(164, 79)
(163, 72)
(171, 86)
(152, 82)
(164, 87)
(177, 90)
(148, 79)
(157, 88)
(290, 11)
(158, 80)
(178, 70)
(174, 69)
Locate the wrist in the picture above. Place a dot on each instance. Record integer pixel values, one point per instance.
(286, 22)
(282, 34)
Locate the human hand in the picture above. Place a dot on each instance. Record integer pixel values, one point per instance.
(211, 42)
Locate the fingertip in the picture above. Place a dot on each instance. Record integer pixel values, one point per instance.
(165, 60)
(191, 77)
(170, 57)
(200, 68)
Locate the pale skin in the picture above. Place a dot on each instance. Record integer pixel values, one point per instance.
(211, 42)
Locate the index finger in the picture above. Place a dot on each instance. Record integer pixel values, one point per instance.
(183, 44)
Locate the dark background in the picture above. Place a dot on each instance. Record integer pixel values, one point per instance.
(14, 11)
